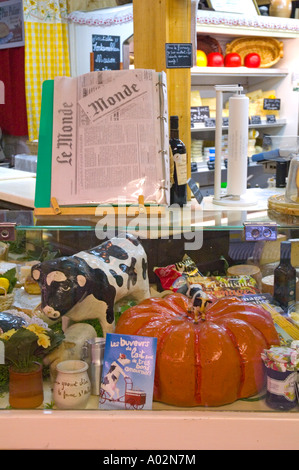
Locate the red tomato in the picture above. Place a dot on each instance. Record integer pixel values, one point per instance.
(232, 60)
(252, 60)
(215, 59)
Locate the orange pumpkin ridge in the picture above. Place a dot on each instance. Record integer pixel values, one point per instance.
(235, 343)
(197, 394)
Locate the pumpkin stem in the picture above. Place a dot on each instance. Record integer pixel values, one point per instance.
(199, 314)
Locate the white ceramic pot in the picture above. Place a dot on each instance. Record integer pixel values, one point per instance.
(72, 385)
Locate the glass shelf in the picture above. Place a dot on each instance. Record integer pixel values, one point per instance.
(193, 217)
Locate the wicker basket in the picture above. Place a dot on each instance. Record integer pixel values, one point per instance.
(32, 146)
(269, 49)
(278, 203)
(4, 247)
(208, 44)
(6, 301)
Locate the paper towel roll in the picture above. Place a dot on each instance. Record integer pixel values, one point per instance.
(237, 145)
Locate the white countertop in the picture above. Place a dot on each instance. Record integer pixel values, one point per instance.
(17, 187)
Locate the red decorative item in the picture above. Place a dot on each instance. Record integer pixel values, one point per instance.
(12, 74)
(232, 60)
(211, 359)
(215, 59)
(252, 60)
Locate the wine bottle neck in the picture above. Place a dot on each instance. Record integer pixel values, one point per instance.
(174, 133)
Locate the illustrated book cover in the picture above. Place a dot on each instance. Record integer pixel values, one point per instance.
(128, 372)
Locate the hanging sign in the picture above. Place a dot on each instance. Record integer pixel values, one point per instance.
(178, 55)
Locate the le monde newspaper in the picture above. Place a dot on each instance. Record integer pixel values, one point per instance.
(110, 138)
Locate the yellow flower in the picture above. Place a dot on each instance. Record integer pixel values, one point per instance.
(43, 340)
(7, 334)
(37, 329)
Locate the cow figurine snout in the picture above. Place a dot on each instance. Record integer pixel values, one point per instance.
(51, 313)
(87, 285)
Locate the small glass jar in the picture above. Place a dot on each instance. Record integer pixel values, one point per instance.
(282, 376)
(281, 389)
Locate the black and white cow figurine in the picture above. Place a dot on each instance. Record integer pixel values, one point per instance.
(199, 299)
(88, 284)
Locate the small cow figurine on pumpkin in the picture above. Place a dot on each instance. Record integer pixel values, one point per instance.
(87, 285)
(199, 300)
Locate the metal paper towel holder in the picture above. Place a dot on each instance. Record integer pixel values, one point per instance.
(225, 199)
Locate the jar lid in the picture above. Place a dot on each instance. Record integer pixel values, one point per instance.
(281, 358)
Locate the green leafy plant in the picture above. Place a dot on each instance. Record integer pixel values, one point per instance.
(41, 250)
(10, 275)
(27, 345)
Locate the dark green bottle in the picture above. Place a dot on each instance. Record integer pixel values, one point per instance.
(285, 278)
(178, 190)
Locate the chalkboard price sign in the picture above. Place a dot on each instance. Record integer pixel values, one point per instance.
(106, 52)
(255, 120)
(195, 190)
(210, 122)
(272, 103)
(178, 55)
(271, 118)
(199, 114)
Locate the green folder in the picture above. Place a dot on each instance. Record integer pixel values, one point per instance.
(44, 154)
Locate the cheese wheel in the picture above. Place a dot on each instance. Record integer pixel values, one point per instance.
(268, 285)
(266, 252)
(246, 270)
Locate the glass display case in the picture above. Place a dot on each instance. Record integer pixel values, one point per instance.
(216, 244)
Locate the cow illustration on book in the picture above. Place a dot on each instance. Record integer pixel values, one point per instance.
(109, 383)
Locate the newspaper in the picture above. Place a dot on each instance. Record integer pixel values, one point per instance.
(110, 142)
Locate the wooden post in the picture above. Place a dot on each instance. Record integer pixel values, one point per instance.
(157, 22)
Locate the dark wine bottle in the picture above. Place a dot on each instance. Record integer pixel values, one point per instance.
(285, 278)
(178, 190)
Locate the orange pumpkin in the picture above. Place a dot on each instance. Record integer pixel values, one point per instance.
(213, 361)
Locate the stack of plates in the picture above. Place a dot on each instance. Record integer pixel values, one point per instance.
(196, 151)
